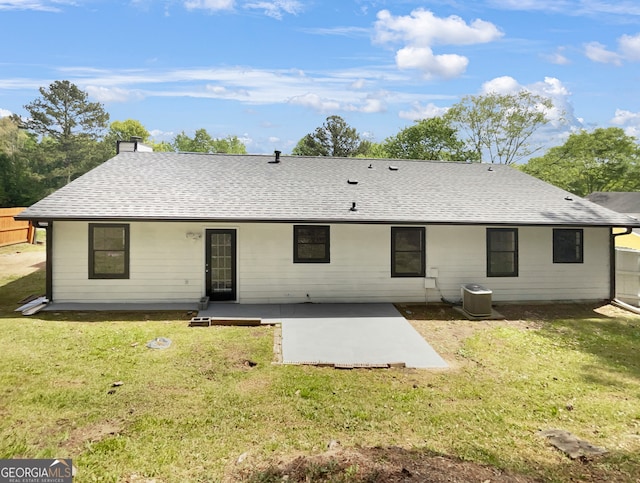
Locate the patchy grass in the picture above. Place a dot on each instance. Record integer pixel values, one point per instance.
(188, 413)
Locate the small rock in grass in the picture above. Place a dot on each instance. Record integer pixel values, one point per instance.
(333, 444)
(242, 457)
(117, 384)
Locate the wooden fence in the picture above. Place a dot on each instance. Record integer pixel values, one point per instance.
(11, 231)
(628, 276)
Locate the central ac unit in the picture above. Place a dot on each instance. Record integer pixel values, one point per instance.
(476, 300)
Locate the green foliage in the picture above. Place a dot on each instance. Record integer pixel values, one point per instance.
(202, 142)
(20, 184)
(70, 126)
(125, 130)
(431, 139)
(63, 111)
(605, 159)
(500, 125)
(374, 150)
(162, 146)
(334, 138)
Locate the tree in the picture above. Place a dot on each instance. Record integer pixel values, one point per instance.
(501, 125)
(334, 138)
(162, 146)
(63, 112)
(64, 115)
(374, 150)
(20, 185)
(12, 135)
(202, 142)
(603, 160)
(431, 139)
(125, 130)
(230, 145)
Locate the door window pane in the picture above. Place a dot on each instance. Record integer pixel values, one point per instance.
(221, 260)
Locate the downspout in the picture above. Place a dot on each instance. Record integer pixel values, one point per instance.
(612, 262)
(49, 262)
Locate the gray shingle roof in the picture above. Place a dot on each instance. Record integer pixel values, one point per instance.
(188, 186)
(620, 201)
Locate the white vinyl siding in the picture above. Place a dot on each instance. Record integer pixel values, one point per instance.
(459, 254)
(164, 266)
(167, 265)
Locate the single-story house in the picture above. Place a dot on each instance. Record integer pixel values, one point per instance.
(149, 227)
(622, 202)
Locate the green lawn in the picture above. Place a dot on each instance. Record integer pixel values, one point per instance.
(188, 412)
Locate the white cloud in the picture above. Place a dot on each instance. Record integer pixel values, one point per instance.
(212, 5)
(422, 30)
(322, 91)
(572, 7)
(38, 5)
(5, 113)
(372, 105)
(501, 85)
(276, 8)
(597, 52)
(623, 117)
(628, 49)
(629, 46)
(419, 111)
(446, 66)
(274, 139)
(113, 94)
(339, 31)
(224, 93)
(315, 102)
(557, 57)
(630, 121)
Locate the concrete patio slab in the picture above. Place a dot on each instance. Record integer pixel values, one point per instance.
(340, 334)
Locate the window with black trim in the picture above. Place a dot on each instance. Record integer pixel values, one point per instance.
(407, 251)
(311, 244)
(502, 252)
(568, 245)
(108, 250)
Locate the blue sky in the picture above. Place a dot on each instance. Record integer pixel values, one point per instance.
(271, 71)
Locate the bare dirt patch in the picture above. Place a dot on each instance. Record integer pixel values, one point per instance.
(388, 465)
(14, 262)
(79, 437)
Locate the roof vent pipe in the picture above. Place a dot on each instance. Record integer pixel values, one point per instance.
(353, 207)
(277, 153)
